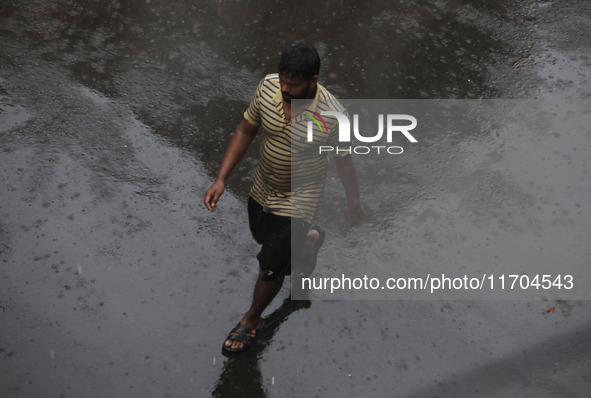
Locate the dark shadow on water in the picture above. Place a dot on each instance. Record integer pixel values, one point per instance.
(241, 375)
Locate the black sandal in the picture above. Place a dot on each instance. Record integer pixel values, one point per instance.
(242, 334)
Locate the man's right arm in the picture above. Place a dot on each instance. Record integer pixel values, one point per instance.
(241, 140)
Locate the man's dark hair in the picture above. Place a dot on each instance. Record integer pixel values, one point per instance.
(300, 60)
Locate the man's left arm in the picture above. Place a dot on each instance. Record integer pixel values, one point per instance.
(354, 210)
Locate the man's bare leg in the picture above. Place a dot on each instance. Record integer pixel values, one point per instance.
(264, 293)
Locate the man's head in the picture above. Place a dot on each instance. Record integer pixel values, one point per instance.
(298, 72)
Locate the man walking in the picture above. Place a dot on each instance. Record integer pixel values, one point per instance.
(281, 213)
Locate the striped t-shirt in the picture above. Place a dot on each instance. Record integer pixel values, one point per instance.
(290, 176)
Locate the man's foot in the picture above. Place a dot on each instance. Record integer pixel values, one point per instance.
(314, 241)
(311, 240)
(240, 338)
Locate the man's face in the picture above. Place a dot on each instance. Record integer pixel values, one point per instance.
(296, 87)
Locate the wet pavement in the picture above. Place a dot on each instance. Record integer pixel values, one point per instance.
(115, 280)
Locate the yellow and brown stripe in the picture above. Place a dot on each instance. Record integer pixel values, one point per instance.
(290, 176)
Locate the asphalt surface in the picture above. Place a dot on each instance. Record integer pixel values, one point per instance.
(114, 279)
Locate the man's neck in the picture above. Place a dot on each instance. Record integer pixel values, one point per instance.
(292, 111)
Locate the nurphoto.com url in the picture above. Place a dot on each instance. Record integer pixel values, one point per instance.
(441, 282)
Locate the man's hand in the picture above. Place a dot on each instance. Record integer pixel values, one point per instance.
(212, 195)
(354, 213)
(239, 143)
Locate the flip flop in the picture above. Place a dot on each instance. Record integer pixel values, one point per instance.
(242, 334)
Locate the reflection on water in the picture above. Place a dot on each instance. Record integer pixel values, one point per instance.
(188, 68)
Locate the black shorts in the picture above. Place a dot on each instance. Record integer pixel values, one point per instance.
(274, 233)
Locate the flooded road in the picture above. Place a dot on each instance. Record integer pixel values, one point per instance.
(115, 280)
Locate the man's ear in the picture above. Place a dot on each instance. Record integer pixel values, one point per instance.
(314, 80)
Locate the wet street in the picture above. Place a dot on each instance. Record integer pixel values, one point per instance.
(115, 281)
